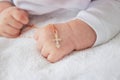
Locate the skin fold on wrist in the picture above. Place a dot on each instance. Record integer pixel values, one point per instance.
(85, 36)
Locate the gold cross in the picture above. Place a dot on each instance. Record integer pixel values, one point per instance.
(57, 40)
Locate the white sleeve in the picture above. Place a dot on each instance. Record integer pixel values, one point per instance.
(104, 17)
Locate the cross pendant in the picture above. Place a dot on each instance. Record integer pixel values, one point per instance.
(57, 40)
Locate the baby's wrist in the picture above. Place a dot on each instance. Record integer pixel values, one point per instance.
(84, 35)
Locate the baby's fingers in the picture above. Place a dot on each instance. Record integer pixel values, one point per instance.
(54, 57)
(44, 53)
(6, 35)
(10, 31)
(50, 52)
(21, 16)
(14, 23)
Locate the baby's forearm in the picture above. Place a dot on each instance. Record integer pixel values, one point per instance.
(4, 5)
(84, 35)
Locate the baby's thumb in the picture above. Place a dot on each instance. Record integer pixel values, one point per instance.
(21, 16)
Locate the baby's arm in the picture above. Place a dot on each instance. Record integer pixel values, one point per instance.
(100, 21)
(12, 19)
(104, 18)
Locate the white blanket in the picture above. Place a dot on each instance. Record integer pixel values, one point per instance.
(20, 59)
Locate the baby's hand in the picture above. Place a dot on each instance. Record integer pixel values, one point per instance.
(74, 35)
(12, 20)
(46, 42)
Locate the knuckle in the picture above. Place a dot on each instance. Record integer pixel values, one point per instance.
(20, 16)
(12, 10)
(23, 17)
(22, 13)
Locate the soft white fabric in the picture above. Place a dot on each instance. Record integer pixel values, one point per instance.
(20, 59)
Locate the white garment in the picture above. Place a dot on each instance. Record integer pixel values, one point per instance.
(103, 16)
(39, 7)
